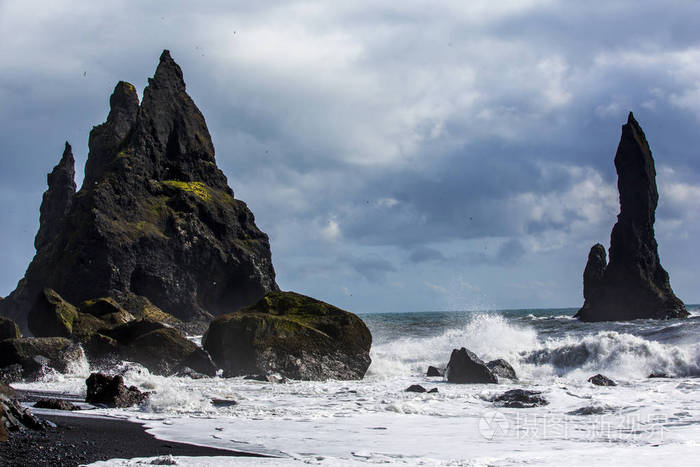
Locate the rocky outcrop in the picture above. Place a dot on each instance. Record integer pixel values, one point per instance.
(111, 391)
(14, 417)
(55, 404)
(435, 371)
(520, 399)
(466, 368)
(8, 329)
(293, 335)
(35, 354)
(57, 199)
(601, 380)
(161, 349)
(155, 222)
(502, 369)
(633, 285)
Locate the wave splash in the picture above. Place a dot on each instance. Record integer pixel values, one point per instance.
(584, 350)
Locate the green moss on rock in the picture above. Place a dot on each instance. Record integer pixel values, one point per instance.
(51, 315)
(292, 334)
(8, 329)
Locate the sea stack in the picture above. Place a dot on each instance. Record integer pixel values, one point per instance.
(155, 224)
(633, 285)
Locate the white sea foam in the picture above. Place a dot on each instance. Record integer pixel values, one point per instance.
(490, 336)
(375, 421)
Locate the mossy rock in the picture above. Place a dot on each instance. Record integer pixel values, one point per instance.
(161, 349)
(51, 315)
(100, 306)
(291, 334)
(8, 329)
(34, 352)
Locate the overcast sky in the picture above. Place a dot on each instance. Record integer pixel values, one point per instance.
(402, 156)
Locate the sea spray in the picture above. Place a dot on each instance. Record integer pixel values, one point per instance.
(489, 335)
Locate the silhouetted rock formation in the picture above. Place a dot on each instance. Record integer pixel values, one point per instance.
(57, 199)
(633, 285)
(466, 368)
(293, 335)
(111, 391)
(155, 224)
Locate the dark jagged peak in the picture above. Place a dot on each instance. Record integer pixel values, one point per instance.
(633, 285)
(636, 175)
(155, 223)
(57, 198)
(173, 132)
(168, 74)
(106, 139)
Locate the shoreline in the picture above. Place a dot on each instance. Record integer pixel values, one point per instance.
(78, 440)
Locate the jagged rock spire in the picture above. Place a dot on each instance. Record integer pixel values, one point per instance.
(155, 222)
(57, 198)
(633, 285)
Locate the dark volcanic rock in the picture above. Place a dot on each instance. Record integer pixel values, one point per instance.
(155, 220)
(434, 371)
(600, 380)
(163, 350)
(111, 391)
(51, 316)
(55, 404)
(36, 353)
(633, 285)
(293, 335)
(502, 369)
(8, 329)
(14, 417)
(57, 199)
(466, 368)
(520, 399)
(415, 388)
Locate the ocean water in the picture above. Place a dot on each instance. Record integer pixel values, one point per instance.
(374, 421)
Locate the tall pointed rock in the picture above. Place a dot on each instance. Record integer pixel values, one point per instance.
(57, 199)
(155, 222)
(633, 285)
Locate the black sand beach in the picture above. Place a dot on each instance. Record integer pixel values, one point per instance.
(82, 440)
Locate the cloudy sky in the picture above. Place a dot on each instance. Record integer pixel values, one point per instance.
(401, 158)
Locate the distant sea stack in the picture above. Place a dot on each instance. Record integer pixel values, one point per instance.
(155, 223)
(633, 285)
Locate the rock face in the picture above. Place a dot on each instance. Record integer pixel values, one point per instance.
(633, 285)
(155, 222)
(57, 199)
(111, 391)
(466, 368)
(502, 369)
(293, 335)
(34, 354)
(8, 329)
(601, 380)
(520, 399)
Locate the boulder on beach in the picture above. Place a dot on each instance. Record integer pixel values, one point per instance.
(163, 350)
(55, 404)
(291, 334)
(14, 417)
(600, 380)
(111, 391)
(502, 369)
(35, 354)
(466, 368)
(415, 388)
(8, 329)
(520, 399)
(154, 221)
(633, 285)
